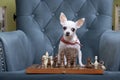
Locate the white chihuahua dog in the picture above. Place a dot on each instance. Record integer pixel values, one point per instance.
(70, 38)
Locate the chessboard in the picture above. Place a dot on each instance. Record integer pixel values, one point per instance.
(37, 69)
(54, 65)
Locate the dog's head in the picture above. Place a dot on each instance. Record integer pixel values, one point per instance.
(70, 27)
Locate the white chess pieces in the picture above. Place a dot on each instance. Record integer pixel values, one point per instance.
(96, 62)
(47, 55)
(102, 65)
(45, 59)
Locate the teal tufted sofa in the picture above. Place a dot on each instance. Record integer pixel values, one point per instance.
(39, 30)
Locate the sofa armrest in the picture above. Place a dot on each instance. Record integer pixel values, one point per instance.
(16, 51)
(2, 59)
(109, 50)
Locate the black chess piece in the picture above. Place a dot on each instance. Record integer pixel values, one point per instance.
(62, 65)
(42, 65)
(71, 57)
(55, 62)
(49, 63)
(89, 64)
(74, 60)
(68, 57)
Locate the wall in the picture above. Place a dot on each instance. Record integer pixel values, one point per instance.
(115, 2)
(10, 23)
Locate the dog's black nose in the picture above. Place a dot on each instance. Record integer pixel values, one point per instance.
(67, 33)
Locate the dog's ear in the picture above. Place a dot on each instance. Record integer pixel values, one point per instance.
(80, 22)
(63, 18)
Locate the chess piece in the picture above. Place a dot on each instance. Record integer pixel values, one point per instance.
(46, 56)
(62, 59)
(101, 65)
(74, 60)
(69, 56)
(67, 52)
(43, 66)
(68, 61)
(51, 61)
(55, 62)
(89, 64)
(96, 62)
(45, 61)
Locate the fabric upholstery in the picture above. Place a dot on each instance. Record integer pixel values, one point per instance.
(17, 50)
(3, 67)
(110, 50)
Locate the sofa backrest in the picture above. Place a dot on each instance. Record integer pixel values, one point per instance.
(39, 19)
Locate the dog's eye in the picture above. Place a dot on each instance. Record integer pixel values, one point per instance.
(64, 27)
(73, 29)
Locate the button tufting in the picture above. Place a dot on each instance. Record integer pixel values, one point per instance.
(87, 29)
(1, 53)
(1, 58)
(43, 30)
(0, 49)
(2, 69)
(53, 14)
(97, 13)
(76, 14)
(54, 47)
(33, 15)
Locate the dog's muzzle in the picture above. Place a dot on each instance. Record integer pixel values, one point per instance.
(67, 33)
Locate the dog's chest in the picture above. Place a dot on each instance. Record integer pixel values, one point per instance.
(62, 45)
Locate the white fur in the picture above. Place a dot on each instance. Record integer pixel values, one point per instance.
(72, 37)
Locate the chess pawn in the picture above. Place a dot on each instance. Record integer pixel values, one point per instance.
(74, 62)
(43, 66)
(62, 59)
(68, 61)
(74, 58)
(96, 62)
(51, 61)
(55, 63)
(45, 61)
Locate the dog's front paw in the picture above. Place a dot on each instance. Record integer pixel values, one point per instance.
(82, 65)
